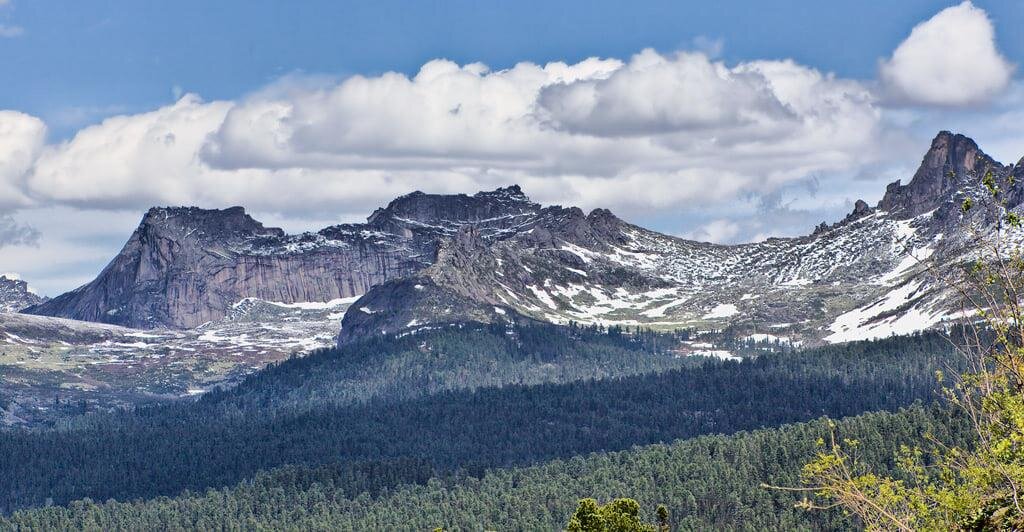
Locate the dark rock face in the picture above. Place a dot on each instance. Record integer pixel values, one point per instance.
(860, 209)
(15, 295)
(183, 267)
(494, 211)
(475, 274)
(401, 304)
(953, 163)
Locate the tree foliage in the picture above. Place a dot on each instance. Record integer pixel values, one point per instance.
(705, 483)
(619, 515)
(271, 421)
(975, 486)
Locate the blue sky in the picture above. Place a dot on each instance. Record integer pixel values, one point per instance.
(80, 61)
(726, 121)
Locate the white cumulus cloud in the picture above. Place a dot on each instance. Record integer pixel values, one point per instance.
(655, 94)
(949, 59)
(21, 141)
(650, 132)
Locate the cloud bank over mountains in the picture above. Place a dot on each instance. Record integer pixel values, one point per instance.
(661, 126)
(652, 131)
(672, 133)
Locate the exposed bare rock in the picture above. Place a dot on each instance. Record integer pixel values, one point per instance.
(866, 276)
(183, 267)
(410, 305)
(429, 260)
(15, 295)
(952, 164)
(186, 266)
(860, 210)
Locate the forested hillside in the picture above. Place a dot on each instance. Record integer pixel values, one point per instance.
(707, 483)
(229, 436)
(468, 356)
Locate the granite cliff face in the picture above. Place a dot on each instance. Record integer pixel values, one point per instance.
(951, 170)
(479, 275)
(184, 267)
(15, 295)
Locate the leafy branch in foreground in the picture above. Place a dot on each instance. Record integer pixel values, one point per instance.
(620, 515)
(980, 487)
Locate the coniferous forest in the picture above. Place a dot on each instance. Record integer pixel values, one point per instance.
(708, 482)
(308, 443)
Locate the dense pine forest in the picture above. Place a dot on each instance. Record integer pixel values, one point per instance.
(707, 483)
(297, 415)
(465, 358)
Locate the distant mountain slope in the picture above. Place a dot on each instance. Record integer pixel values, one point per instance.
(866, 276)
(98, 366)
(432, 260)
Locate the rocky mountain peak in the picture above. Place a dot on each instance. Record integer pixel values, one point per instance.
(218, 224)
(952, 161)
(427, 208)
(15, 295)
(511, 193)
(603, 222)
(952, 153)
(445, 213)
(185, 266)
(604, 215)
(462, 256)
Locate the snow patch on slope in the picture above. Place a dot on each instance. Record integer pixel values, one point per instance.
(724, 310)
(881, 320)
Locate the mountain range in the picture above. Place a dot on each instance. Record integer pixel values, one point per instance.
(429, 358)
(428, 260)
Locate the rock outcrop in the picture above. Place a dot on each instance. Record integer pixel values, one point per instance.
(183, 267)
(953, 165)
(15, 295)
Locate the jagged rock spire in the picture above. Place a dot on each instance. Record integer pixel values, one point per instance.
(952, 161)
